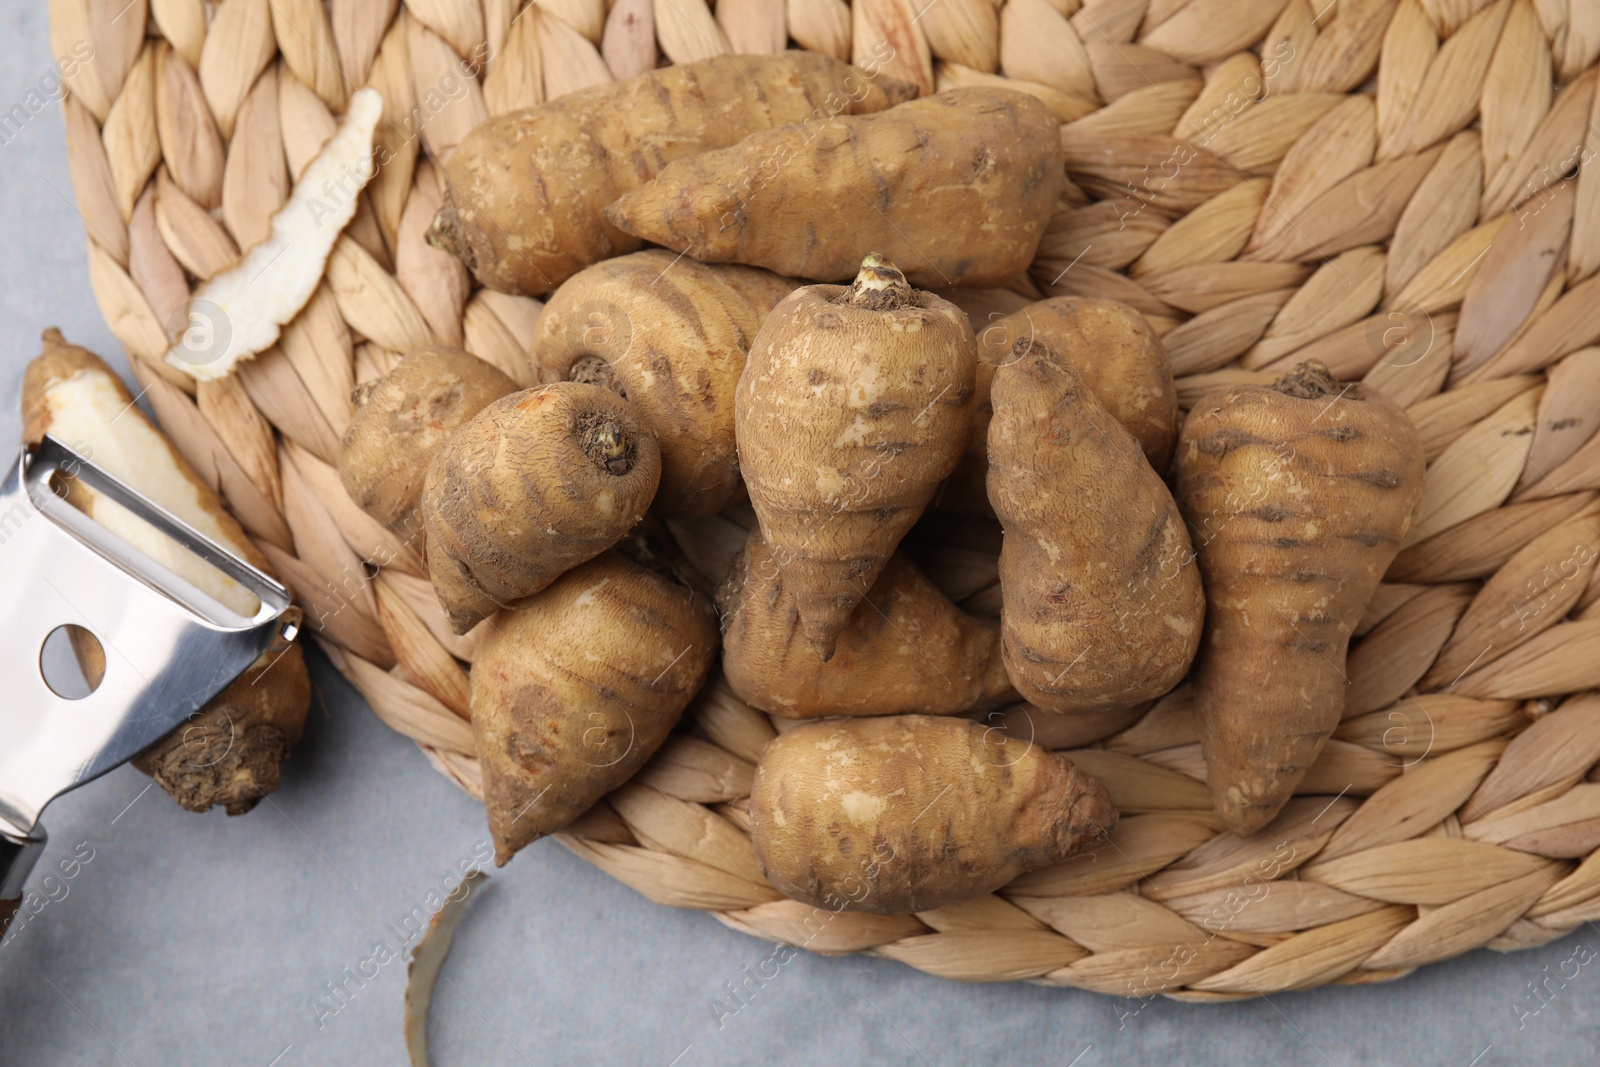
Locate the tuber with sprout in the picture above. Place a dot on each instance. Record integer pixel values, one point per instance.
(536, 483)
(575, 689)
(669, 335)
(907, 813)
(956, 188)
(906, 648)
(402, 419)
(853, 406)
(523, 191)
(1101, 601)
(231, 752)
(1299, 494)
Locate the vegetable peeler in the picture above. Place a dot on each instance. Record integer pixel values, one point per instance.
(168, 647)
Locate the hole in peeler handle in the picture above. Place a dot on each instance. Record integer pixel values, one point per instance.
(72, 661)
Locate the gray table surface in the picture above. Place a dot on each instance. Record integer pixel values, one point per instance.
(192, 939)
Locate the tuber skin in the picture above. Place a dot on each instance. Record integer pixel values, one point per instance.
(536, 483)
(906, 649)
(956, 188)
(231, 752)
(523, 191)
(907, 813)
(1101, 601)
(669, 335)
(1115, 351)
(574, 690)
(1299, 495)
(405, 417)
(853, 406)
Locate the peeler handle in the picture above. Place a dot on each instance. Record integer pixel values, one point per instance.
(17, 857)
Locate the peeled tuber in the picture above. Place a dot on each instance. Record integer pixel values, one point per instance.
(907, 813)
(536, 483)
(1299, 494)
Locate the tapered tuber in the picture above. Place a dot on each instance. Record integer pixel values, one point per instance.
(956, 188)
(536, 483)
(908, 813)
(523, 191)
(670, 335)
(402, 419)
(1299, 494)
(853, 406)
(573, 691)
(906, 648)
(231, 752)
(1102, 605)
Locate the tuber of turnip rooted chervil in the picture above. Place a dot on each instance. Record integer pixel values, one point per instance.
(907, 648)
(535, 484)
(230, 752)
(906, 813)
(1101, 600)
(574, 690)
(670, 335)
(956, 188)
(853, 407)
(1299, 495)
(523, 191)
(405, 417)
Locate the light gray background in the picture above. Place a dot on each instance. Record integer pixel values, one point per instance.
(202, 939)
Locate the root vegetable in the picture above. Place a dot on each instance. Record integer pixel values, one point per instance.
(536, 483)
(906, 649)
(230, 752)
(1116, 353)
(669, 335)
(1300, 494)
(523, 191)
(573, 691)
(957, 188)
(1102, 605)
(853, 407)
(402, 419)
(908, 813)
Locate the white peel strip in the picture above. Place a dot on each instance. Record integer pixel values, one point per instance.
(239, 312)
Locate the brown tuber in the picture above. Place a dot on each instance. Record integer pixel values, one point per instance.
(537, 483)
(853, 407)
(523, 191)
(574, 690)
(907, 813)
(1299, 494)
(907, 648)
(402, 419)
(669, 335)
(1102, 605)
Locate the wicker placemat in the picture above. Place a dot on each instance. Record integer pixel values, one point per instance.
(1395, 188)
